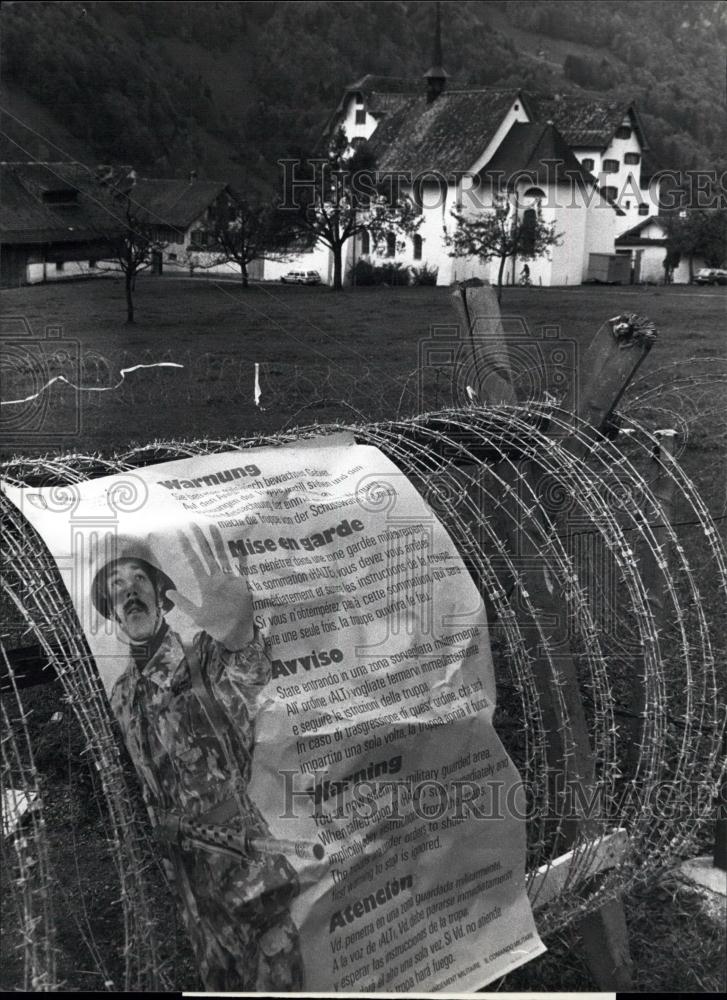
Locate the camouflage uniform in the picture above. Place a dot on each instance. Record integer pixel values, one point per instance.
(236, 911)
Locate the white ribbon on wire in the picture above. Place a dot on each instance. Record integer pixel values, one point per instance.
(89, 388)
(258, 391)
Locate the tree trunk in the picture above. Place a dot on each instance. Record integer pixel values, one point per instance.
(337, 269)
(244, 275)
(129, 284)
(499, 279)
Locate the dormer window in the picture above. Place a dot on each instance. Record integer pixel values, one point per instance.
(632, 158)
(359, 99)
(623, 132)
(611, 166)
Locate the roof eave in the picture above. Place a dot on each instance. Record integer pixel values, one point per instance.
(639, 241)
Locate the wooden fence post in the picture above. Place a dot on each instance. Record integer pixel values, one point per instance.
(609, 364)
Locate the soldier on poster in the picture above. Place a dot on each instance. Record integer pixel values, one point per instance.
(187, 715)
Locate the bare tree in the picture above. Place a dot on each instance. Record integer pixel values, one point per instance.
(138, 238)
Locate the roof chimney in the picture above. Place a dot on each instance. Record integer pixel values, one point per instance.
(436, 77)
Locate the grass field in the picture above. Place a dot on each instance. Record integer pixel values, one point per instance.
(322, 355)
(356, 355)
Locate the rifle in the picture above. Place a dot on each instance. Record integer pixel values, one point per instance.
(188, 833)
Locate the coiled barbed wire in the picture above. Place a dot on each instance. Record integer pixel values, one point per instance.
(492, 476)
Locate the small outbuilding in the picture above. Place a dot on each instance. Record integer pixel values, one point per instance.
(645, 244)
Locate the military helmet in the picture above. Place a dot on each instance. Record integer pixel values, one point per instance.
(118, 550)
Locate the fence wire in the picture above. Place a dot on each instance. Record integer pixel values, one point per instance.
(537, 504)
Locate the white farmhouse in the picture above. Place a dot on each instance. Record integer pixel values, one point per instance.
(579, 159)
(646, 244)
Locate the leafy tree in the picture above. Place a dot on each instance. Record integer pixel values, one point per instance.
(244, 231)
(698, 232)
(670, 263)
(501, 233)
(342, 196)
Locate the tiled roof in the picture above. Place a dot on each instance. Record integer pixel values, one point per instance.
(447, 135)
(387, 84)
(176, 203)
(583, 121)
(540, 153)
(28, 217)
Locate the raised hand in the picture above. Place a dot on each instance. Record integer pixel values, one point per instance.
(226, 611)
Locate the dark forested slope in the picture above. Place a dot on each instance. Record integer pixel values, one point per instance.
(227, 88)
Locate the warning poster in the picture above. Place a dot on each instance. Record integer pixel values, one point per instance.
(300, 667)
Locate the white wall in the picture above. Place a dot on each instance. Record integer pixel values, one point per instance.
(681, 273)
(39, 273)
(354, 103)
(584, 230)
(571, 222)
(603, 225)
(652, 265)
(627, 180)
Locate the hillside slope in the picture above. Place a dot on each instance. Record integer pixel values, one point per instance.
(228, 88)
